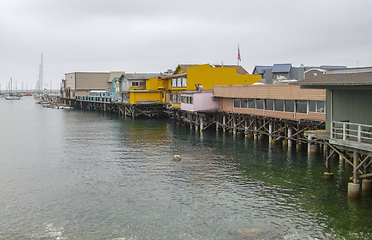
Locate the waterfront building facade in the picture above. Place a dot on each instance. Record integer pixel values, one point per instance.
(188, 77)
(80, 84)
(348, 121)
(201, 100)
(137, 88)
(278, 101)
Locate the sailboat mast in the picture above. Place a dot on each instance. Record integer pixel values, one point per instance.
(41, 74)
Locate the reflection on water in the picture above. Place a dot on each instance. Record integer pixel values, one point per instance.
(87, 175)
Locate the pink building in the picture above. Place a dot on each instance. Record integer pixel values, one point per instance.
(198, 100)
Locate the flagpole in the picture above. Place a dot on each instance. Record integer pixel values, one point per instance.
(239, 59)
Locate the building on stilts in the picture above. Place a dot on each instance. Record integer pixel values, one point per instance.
(348, 131)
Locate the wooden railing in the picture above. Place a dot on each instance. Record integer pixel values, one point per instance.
(361, 133)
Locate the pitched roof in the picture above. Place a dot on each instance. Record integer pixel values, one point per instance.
(184, 67)
(260, 69)
(140, 76)
(114, 75)
(345, 79)
(282, 68)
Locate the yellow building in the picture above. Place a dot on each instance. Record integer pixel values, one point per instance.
(139, 88)
(188, 77)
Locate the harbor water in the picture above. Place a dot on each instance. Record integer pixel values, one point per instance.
(71, 174)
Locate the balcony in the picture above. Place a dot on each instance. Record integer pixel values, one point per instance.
(353, 135)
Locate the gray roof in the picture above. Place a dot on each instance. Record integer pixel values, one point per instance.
(282, 68)
(260, 69)
(345, 79)
(140, 76)
(332, 67)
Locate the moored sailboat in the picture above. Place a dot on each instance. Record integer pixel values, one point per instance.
(12, 96)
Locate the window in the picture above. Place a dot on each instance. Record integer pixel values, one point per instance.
(289, 105)
(301, 106)
(184, 82)
(179, 82)
(269, 104)
(312, 106)
(174, 82)
(259, 103)
(135, 84)
(176, 98)
(317, 106)
(244, 103)
(186, 99)
(251, 103)
(320, 106)
(237, 103)
(279, 105)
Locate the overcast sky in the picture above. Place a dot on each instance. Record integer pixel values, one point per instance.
(156, 35)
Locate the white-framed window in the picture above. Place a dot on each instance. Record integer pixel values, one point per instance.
(135, 84)
(237, 103)
(176, 98)
(184, 82)
(301, 106)
(179, 82)
(317, 106)
(174, 82)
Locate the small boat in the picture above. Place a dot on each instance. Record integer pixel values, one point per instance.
(13, 97)
(42, 102)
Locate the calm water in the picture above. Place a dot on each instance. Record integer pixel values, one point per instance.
(70, 174)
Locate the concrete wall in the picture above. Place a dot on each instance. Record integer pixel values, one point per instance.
(70, 80)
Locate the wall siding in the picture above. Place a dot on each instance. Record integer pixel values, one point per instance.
(270, 92)
(92, 81)
(352, 105)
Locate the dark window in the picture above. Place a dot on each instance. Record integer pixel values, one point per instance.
(244, 103)
(259, 103)
(251, 103)
(237, 102)
(301, 106)
(269, 104)
(289, 105)
(312, 106)
(279, 105)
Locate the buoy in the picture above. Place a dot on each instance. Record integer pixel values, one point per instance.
(176, 158)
